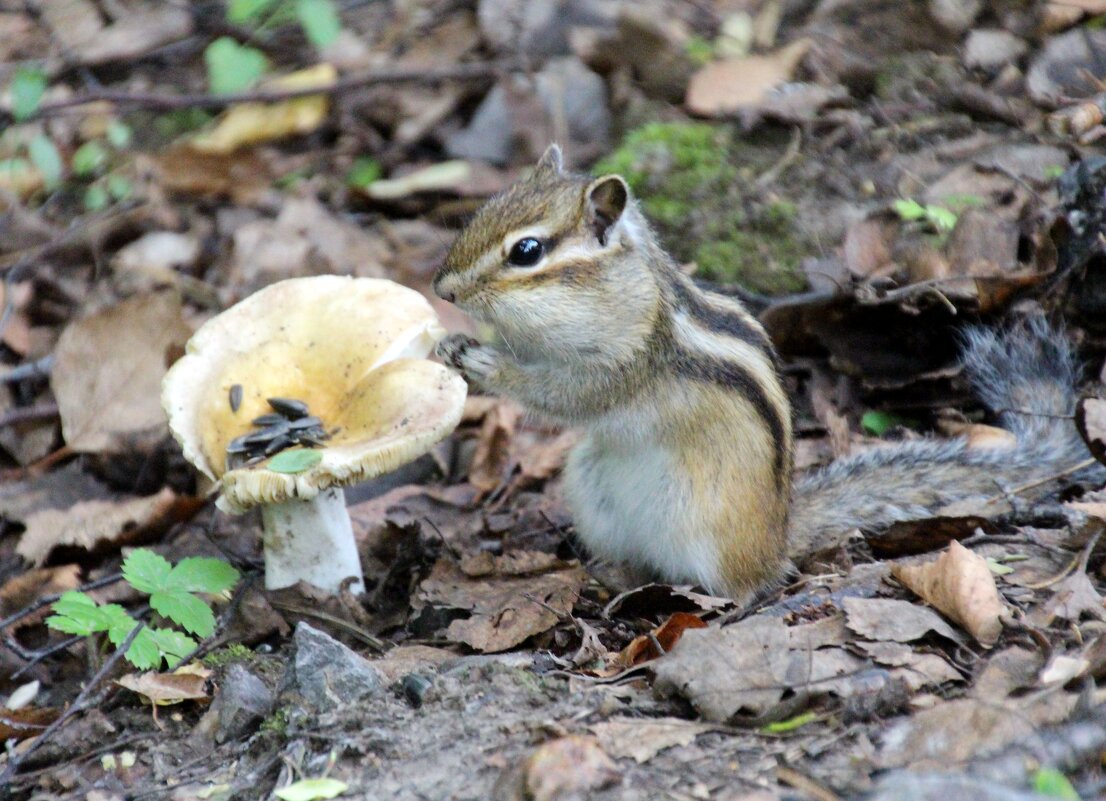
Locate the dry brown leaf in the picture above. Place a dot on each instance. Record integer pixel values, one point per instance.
(641, 740)
(1090, 419)
(898, 621)
(960, 584)
(164, 689)
(19, 724)
(954, 732)
(919, 669)
(1071, 599)
(568, 767)
(978, 435)
(644, 647)
(869, 244)
(25, 588)
(108, 370)
(543, 458)
(244, 176)
(512, 563)
(91, 523)
(733, 84)
(492, 457)
(251, 123)
(503, 610)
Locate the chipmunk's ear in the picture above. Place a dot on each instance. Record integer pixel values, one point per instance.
(606, 200)
(551, 160)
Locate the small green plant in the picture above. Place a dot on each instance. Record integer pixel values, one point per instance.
(27, 89)
(234, 67)
(172, 592)
(941, 218)
(1051, 783)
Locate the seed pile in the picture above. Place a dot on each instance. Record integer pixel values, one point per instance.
(290, 423)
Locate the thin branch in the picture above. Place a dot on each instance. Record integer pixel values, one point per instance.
(167, 102)
(78, 705)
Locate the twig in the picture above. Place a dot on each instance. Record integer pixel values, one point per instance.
(1079, 562)
(49, 599)
(164, 102)
(39, 368)
(25, 414)
(77, 706)
(356, 631)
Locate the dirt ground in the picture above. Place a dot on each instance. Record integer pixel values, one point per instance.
(869, 177)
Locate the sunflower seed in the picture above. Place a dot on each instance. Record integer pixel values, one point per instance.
(292, 409)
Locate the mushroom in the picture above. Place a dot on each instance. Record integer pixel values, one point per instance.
(353, 351)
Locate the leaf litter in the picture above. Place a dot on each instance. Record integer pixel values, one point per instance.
(929, 152)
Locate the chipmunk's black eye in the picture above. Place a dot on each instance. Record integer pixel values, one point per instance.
(526, 252)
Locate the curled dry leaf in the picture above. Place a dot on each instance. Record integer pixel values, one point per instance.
(490, 462)
(108, 370)
(961, 585)
(1090, 419)
(164, 689)
(641, 740)
(644, 647)
(734, 84)
(567, 767)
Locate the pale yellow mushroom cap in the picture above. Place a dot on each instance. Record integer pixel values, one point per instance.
(352, 349)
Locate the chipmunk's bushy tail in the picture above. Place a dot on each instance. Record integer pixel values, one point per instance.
(1026, 374)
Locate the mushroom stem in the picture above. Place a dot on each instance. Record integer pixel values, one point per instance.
(310, 541)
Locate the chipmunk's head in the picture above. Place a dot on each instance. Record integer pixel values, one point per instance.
(550, 257)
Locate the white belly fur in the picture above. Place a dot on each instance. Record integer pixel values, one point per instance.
(631, 503)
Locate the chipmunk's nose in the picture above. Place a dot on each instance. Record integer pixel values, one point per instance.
(448, 297)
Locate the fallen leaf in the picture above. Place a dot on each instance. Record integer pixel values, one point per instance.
(243, 177)
(1090, 419)
(566, 768)
(492, 457)
(643, 648)
(442, 177)
(1071, 599)
(251, 123)
(960, 584)
(1062, 668)
(512, 563)
(164, 689)
(311, 789)
(732, 84)
(503, 611)
(27, 587)
(89, 524)
(745, 670)
(108, 370)
(898, 621)
(641, 739)
(135, 33)
(920, 669)
(19, 724)
(952, 733)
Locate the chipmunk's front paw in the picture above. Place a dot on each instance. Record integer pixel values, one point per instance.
(473, 360)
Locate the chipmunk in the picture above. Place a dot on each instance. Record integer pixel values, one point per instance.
(685, 469)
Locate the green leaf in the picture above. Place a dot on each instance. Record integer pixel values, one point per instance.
(232, 67)
(90, 158)
(879, 423)
(119, 623)
(146, 571)
(186, 610)
(363, 172)
(909, 210)
(144, 652)
(203, 574)
(1054, 784)
(76, 613)
(27, 89)
(173, 645)
(295, 461)
(311, 790)
(119, 134)
(119, 187)
(783, 726)
(96, 198)
(998, 568)
(320, 21)
(247, 11)
(943, 219)
(47, 159)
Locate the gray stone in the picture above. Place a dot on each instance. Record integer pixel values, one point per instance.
(574, 100)
(327, 674)
(539, 28)
(243, 702)
(989, 49)
(955, 16)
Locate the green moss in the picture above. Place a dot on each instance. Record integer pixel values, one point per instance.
(696, 184)
(277, 722)
(228, 655)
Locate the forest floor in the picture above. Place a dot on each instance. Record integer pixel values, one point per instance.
(870, 176)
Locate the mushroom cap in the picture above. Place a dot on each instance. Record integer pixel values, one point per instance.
(353, 349)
